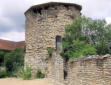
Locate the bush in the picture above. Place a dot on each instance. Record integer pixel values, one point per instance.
(26, 74)
(14, 60)
(50, 51)
(3, 73)
(77, 49)
(39, 74)
(2, 54)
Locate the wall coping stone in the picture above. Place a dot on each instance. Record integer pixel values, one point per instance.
(97, 57)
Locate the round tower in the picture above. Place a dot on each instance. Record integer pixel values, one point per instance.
(44, 23)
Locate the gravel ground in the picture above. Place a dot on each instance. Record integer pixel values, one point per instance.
(16, 81)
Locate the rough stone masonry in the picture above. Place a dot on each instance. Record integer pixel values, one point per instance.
(45, 26)
(44, 23)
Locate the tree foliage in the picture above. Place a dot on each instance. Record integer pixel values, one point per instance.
(2, 54)
(97, 33)
(86, 34)
(13, 60)
(77, 49)
(3, 73)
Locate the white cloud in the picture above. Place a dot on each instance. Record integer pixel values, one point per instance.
(5, 20)
(91, 8)
(108, 20)
(13, 36)
(95, 8)
(12, 14)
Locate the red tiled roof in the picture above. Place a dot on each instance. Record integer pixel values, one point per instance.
(10, 45)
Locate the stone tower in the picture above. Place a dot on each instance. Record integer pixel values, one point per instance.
(44, 23)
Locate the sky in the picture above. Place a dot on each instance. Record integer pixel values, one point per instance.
(12, 19)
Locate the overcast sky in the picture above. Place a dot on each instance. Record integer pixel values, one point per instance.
(12, 19)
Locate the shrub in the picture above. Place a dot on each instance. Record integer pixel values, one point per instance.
(77, 49)
(1, 57)
(26, 74)
(39, 74)
(50, 51)
(3, 73)
(2, 54)
(14, 60)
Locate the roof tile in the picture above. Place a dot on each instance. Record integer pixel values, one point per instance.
(10, 45)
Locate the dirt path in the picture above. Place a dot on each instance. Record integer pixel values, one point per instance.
(14, 81)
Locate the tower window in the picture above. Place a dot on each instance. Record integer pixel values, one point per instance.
(58, 43)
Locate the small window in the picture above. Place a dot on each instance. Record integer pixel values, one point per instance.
(58, 43)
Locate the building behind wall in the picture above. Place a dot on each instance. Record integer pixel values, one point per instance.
(44, 23)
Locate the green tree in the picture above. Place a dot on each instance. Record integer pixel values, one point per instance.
(95, 34)
(77, 49)
(2, 54)
(14, 60)
(73, 31)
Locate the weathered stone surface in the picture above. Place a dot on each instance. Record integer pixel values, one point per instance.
(56, 67)
(93, 70)
(42, 27)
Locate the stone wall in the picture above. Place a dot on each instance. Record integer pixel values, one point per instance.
(56, 67)
(93, 70)
(42, 27)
